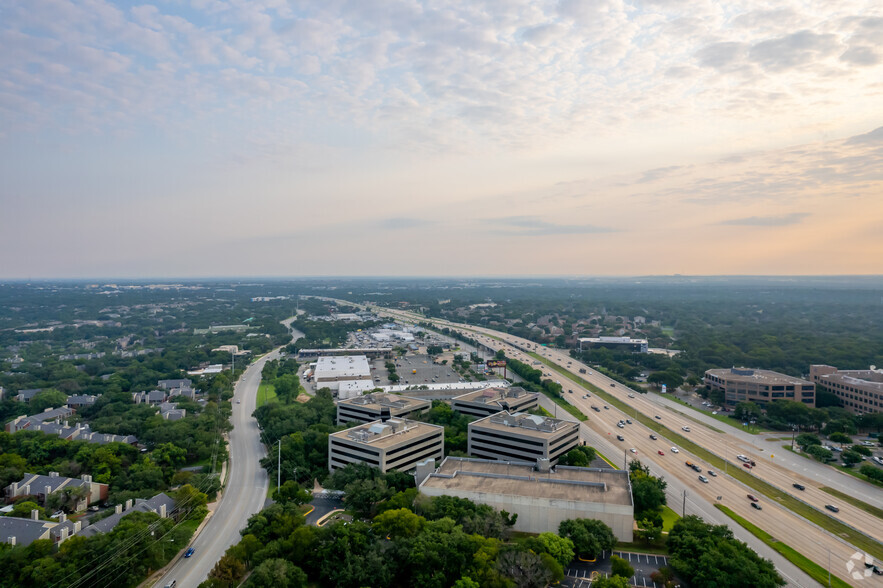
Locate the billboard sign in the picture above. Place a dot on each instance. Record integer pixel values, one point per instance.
(496, 363)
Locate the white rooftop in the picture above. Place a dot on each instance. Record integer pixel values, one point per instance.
(344, 366)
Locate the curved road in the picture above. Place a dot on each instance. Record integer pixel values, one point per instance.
(244, 494)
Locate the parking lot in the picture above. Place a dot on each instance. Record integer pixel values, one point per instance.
(427, 372)
(580, 574)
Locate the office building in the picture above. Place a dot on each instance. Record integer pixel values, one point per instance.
(521, 437)
(627, 343)
(541, 496)
(860, 391)
(395, 444)
(759, 386)
(488, 401)
(378, 406)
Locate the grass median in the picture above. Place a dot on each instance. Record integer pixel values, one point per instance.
(811, 568)
(869, 508)
(850, 535)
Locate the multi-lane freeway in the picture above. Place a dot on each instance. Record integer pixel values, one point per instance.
(245, 491)
(807, 538)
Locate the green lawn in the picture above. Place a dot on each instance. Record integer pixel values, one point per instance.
(815, 571)
(669, 518)
(604, 457)
(640, 547)
(266, 393)
(856, 538)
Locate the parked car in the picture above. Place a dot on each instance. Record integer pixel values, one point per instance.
(799, 486)
(832, 508)
(756, 505)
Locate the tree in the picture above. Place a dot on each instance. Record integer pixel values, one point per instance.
(648, 492)
(277, 573)
(590, 537)
(621, 567)
(580, 456)
(23, 509)
(649, 529)
(838, 437)
(804, 440)
(850, 458)
(872, 472)
(466, 582)
(862, 450)
(398, 523)
(287, 387)
(187, 498)
(745, 411)
(363, 496)
(48, 398)
(291, 491)
(611, 582)
(818, 452)
(558, 547)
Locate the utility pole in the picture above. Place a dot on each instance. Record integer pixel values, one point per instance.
(279, 466)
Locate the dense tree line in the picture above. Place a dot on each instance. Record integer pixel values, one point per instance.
(456, 426)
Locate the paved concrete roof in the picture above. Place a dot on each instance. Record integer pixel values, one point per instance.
(386, 434)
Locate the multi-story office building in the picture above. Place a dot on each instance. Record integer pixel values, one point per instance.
(627, 343)
(541, 496)
(488, 401)
(397, 444)
(521, 437)
(378, 406)
(861, 391)
(759, 386)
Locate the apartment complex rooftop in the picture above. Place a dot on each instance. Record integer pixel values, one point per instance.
(385, 434)
(522, 479)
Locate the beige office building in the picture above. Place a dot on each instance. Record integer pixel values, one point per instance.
(521, 437)
(759, 386)
(488, 401)
(542, 497)
(861, 391)
(378, 406)
(397, 444)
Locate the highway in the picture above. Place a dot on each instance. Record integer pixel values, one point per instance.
(807, 538)
(244, 493)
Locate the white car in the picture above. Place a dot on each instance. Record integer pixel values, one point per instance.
(687, 429)
(633, 450)
(674, 450)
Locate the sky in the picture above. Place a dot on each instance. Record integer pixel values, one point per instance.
(431, 138)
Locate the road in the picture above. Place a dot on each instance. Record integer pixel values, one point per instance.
(804, 536)
(244, 494)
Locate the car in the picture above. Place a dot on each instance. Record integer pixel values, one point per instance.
(606, 407)
(620, 438)
(660, 452)
(620, 425)
(837, 449)
(696, 468)
(712, 474)
(756, 506)
(172, 584)
(832, 508)
(741, 457)
(94, 508)
(613, 385)
(867, 443)
(703, 479)
(799, 486)
(633, 450)
(570, 391)
(585, 396)
(746, 466)
(238, 402)
(654, 437)
(631, 395)
(595, 408)
(714, 412)
(189, 552)
(689, 464)
(658, 418)
(752, 498)
(628, 421)
(878, 571)
(687, 429)
(674, 450)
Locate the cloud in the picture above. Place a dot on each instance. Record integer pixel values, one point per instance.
(532, 226)
(660, 172)
(794, 50)
(783, 220)
(861, 55)
(403, 223)
(875, 136)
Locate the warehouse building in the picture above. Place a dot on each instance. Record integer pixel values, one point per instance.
(488, 401)
(860, 391)
(378, 406)
(397, 444)
(759, 386)
(541, 496)
(331, 371)
(521, 437)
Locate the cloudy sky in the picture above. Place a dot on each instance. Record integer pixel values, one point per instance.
(404, 137)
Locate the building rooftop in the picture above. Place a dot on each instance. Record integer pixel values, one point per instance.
(595, 485)
(612, 340)
(25, 531)
(107, 524)
(531, 425)
(494, 394)
(385, 434)
(378, 400)
(342, 366)
(753, 375)
(442, 387)
(867, 379)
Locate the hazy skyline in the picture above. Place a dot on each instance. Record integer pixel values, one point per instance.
(274, 138)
